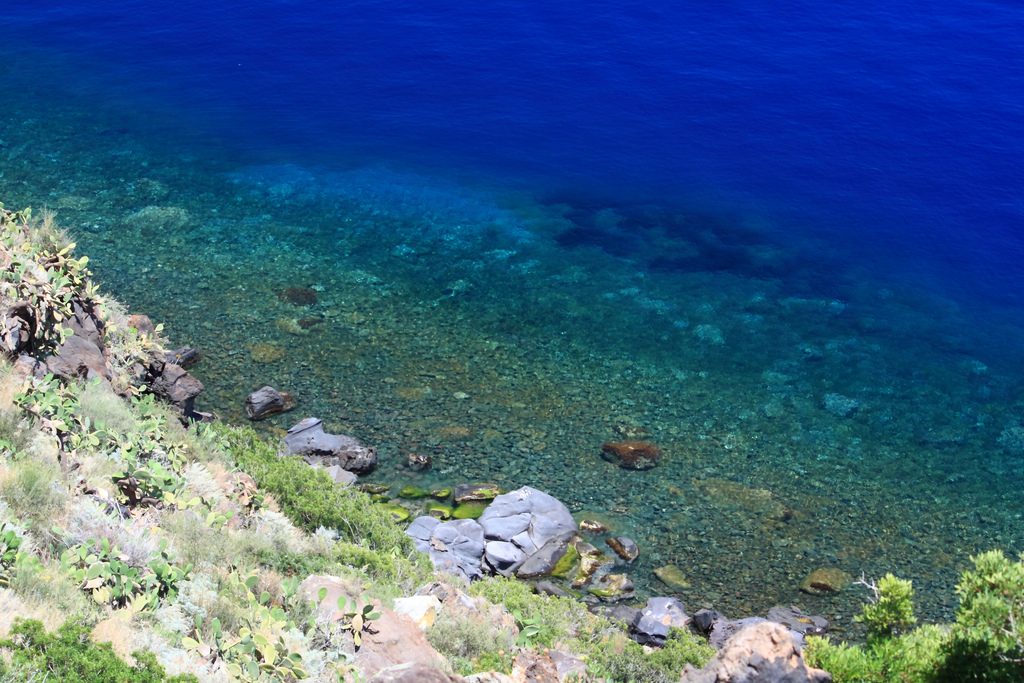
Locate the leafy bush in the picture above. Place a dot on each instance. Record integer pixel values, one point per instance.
(472, 645)
(617, 658)
(71, 657)
(986, 643)
(369, 537)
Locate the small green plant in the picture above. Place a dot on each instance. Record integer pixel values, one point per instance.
(891, 611)
(10, 543)
(356, 619)
(533, 630)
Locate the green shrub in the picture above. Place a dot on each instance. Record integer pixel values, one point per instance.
(369, 538)
(71, 657)
(988, 637)
(915, 657)
(892, 611)
(472, 644)
(34, 491)
(563, 618)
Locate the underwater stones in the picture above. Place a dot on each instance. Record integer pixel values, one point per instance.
(159, 218)
(631, 455)
(298, 296)
(291, 326)
(267, 401)
(611, 587)
(840, 406)
(672, 576)
(419, 462)
(825, 580)
(475, 493)
(456, 547)
(412, 492)
(398, 513)
(374, 489)
(308, 439)
(651, 626)
(624, 547)
(591, 560)
(528, 518)
(440, 510)
(592, 526)
(265, 352)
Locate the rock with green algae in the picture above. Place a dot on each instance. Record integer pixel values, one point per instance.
(374, 489)
(672, 576)
(471, 510)
(567, 563)
(612, 587)
(410, 491)
(397, 512)
(440, 510)
(476, 493)
(443, 493)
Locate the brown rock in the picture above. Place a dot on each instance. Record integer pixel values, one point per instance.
(141, 323)
(761, 653)
(267, 401)
(298, 296)
(394, 639)
(534, 667)
(78, 358)
(632, 455)
(624, 547)
(825, 580)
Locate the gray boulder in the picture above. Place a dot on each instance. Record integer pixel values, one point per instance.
(530, 520)
(764, 652)
(455, 547)
(651, 626)
(503, 557)
(309, 440)
(267, 401)
(795, 620)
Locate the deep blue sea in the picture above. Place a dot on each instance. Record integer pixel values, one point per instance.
(894, 130)
(783, 239)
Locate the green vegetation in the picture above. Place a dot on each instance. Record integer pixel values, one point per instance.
(69, 656)
(985, 643)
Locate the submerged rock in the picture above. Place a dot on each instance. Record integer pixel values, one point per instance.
(672, 576)
(632, 455)
(825, 580)
(267, 401)
(476, 493)
(612, 587)
(309, 440)
(624, 547)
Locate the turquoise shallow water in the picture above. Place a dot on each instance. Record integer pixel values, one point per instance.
(811, 414)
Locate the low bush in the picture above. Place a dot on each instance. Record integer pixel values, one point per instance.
(68, 655)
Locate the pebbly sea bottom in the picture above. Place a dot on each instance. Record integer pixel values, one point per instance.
(811, 415)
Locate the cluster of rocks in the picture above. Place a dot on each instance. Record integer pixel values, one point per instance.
(84, 354)
(529, 534)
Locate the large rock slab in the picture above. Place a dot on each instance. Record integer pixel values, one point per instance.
(651, 626)
(530, 520)
(761, 653)
(455, 547)
(309, 440)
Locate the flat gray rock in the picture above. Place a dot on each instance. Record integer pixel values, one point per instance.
(455, 547)
(503, 557)
(651, 626)
(308, 439)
